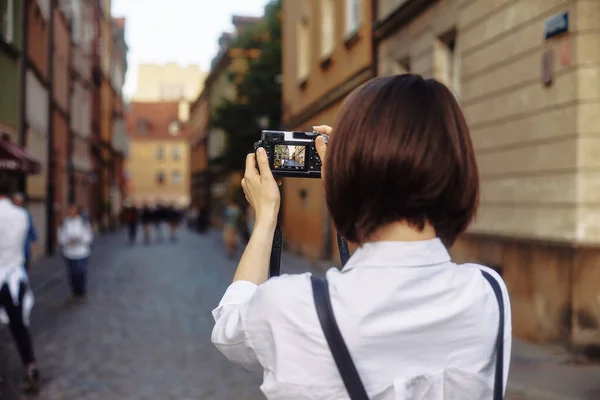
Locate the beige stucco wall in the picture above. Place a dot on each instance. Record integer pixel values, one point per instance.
(536, 146)
(152, 77)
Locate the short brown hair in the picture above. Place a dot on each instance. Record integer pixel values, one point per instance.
(401, 150)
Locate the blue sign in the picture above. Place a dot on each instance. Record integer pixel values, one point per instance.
(556, 25)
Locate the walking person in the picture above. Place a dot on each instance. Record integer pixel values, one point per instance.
(16, 297)
(147, 216)
(231, 216)
(32, 237)
(158, 217)
(174, 217)
(130, 219)
(75, 236)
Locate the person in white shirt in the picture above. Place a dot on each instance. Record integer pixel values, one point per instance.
(16, 298)
(401, 181)
(75, 236)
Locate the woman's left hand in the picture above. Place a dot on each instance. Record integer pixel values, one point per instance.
(261, 188)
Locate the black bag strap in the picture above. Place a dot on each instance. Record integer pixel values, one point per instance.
(275, 261)
(341, 355)
(343, 360)
(499, 377)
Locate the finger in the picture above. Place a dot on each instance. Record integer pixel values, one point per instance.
(263, 163)
(251, 165)
(324, 129)
(321, 147)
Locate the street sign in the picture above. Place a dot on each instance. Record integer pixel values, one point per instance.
(556, 25)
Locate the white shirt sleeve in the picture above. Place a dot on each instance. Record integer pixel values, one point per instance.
(229, 334)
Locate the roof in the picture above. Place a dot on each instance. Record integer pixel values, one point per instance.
(120, 22)
(242, 21)
(152, 120)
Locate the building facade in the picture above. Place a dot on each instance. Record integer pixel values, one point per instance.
(170, 82)
(526, 74)
(10, 52)
(61, 103)
(158, 162)
(81, 103)
(198, 128)
(327, 52)
(36, 124)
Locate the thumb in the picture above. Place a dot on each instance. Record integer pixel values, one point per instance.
(263, 163)
(321, 147)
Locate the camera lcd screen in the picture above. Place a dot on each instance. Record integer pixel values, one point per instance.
(289, 157)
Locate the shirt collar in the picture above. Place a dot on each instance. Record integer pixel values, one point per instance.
(399, 254)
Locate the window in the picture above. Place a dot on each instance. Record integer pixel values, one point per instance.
(176, 153)
(7, 16)
(353, 16)
(142, 127)
(160, 153)
(447, 61)
(160, 177)
(303, 43)
(176, 177)
(327, 28)
(174, 128)
(171, 92)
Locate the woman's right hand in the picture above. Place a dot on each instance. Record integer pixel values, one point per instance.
(321, 145)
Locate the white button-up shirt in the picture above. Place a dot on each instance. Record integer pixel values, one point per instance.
(417, 326)
(14, 224)
(75, 236)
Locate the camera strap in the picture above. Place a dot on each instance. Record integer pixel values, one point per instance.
(343, 359)
(275, 262)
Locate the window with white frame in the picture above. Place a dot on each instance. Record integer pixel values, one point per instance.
(303, 44)
(327, 27)
(176, 177)
(176, 153)
(447, 60)
(353, 16)
(7, 20)
(160, 153)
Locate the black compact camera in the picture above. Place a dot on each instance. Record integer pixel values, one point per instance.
(292, 154)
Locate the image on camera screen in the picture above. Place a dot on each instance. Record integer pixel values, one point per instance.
(289, 157)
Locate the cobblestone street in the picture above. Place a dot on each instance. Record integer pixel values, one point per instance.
(145, 331)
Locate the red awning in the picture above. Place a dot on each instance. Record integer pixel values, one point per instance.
(16, 159)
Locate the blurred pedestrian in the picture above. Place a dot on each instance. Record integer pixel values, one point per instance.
(75, 237)
(174, 217)
(130, 219)
(16, 297)
(231, 217)
(159, 217)
(146, 215)
(32, 237)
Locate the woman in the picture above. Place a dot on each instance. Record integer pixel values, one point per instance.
(400, 181)
(75, 236)
(231, 217)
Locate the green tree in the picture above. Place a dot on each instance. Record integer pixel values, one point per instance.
(258, 89)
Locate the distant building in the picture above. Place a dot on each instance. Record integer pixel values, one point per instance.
(208, 188)
(327, 53)
(158, 162)
(170, 82)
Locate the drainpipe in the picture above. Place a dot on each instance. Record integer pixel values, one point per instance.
(70, 133)
(23, 86)
(50, 185)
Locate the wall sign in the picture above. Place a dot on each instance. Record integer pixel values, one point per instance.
(556, 25)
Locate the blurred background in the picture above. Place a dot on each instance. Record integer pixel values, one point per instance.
(145, 101)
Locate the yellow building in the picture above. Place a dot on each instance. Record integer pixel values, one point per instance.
(158, 162)
(170, 82)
